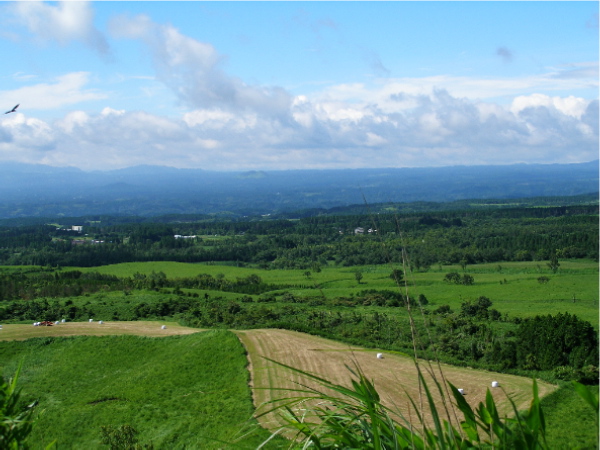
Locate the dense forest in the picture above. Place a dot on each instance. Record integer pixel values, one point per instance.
(440, 237)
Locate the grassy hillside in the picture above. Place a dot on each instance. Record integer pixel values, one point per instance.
(178, 392)
(190, 391)
(570, 421)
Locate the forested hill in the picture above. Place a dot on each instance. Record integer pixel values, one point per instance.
(44, 191)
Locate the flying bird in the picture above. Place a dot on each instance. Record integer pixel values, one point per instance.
(12, 110)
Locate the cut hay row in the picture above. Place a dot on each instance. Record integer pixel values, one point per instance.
(394, 376)
(11, 332)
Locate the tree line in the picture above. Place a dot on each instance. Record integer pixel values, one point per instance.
(447, 237)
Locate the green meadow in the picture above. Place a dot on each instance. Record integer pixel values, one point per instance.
(513, 287)
(570, 420)
(179, 392)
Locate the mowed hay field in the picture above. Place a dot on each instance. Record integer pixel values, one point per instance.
(10, 332)
(394, 376)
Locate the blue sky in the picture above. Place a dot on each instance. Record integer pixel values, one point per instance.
(289, 85)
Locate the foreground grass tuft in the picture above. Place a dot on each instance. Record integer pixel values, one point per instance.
(335, 416)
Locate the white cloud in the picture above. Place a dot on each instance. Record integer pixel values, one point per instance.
(25, 139)
(217, 119)
(193, 70)
(398, 94)
(108, 111)
(438, 130)
(66, 90)
(571, 106)
(64, 22)
(73, 120)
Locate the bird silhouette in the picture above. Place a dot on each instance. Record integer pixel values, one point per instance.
(12, 110)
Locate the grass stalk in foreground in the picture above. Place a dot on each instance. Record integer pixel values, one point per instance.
(16, 420)
(336, 416)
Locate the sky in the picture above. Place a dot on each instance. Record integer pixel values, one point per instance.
(236, 86)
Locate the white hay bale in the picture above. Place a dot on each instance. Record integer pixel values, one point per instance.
(91, 320)
(100, 322)
(164, 327)
(379, 355)
(56, 323)
(495, 384)
(63, 321)
(462, 391)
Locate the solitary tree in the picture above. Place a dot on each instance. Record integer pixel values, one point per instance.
(358, 275)
(553, 264)
(397, 275)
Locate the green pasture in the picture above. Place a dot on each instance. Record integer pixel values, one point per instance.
(513, 287)
(179, 392)
(570, 420)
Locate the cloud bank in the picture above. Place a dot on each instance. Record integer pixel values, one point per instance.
(232, 125)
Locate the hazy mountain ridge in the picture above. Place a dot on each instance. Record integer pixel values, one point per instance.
(37, 190)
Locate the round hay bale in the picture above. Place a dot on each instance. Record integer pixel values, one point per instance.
(63, 321)
(462, 391)
(91, 320)
(495, 384)
(100, 322)
(164, 327)
(379, 355)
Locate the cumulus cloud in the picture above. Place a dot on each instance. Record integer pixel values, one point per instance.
(436, 128)
(25, 139)
(194, 70)
(570, 106)
(64, 22)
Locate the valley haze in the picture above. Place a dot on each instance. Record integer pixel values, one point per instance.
(45, 191)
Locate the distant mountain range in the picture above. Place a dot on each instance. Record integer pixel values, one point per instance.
(43, 191)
